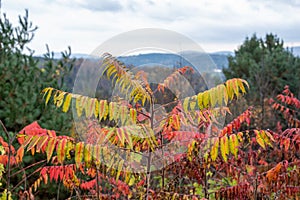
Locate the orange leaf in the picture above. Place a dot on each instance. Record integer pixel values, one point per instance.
(20, 154)
(88, 152)
(61, 150)
(121, 136)
(50, 148)
(103, 109)
(272, 174)
(79, 148)
(133, 114)
(286, 143)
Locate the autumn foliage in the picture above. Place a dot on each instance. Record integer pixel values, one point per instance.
(130, 149)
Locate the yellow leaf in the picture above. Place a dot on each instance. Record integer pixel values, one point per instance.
(58, 98)
(233, 145)
(89, 107)
(79, 107)
(131, 181)
(214, 149)
(103, 109)
(213, 96)
(120, 166)
(229, 89)
(193, 102)
(259, 139)
(123, 114)
(206, 99)
(96, 110)
(186, 104)
(224, 148)
(222, 94)
(88, 152)
(241, 85)
(200, 99)
(33, 142)
(133, 115)
(49, 90)
(265, 138)
(113, 111)
(67, 103)
(240, 136)
(235, 86)
(69, 147)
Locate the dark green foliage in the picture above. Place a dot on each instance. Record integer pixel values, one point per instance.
(267, 66)
(22, 79)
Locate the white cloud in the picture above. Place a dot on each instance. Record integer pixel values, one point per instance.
(215, 25)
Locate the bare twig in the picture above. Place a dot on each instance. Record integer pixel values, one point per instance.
(29, 166)
(148, 175)
(27, 177)
(97, 182)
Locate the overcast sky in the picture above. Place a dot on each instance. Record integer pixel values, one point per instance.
(216, 25)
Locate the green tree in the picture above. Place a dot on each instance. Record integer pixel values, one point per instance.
(267, 66)
(22, 77)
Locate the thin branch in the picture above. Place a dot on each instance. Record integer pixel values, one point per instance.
(148, 175)
(27, 177)
(58, 189)
(166, 104)
(27, 167)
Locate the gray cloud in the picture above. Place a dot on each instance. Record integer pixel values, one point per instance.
(86, 23)
(103, 5)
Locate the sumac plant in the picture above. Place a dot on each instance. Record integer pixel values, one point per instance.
(136, 149)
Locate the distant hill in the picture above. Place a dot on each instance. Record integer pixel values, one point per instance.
(204, 61)
(295, 50)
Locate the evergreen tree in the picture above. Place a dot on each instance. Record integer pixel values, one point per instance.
(267, 66)
(22, 78)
